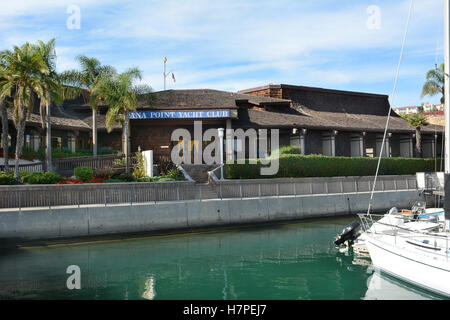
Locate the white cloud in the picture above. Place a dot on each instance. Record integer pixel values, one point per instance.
(234, 44)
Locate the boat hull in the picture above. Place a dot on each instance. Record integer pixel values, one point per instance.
(408, 264)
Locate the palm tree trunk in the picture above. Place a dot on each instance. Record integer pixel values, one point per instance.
(20, 141)
(5, 134)
(126, 141)
(49, 140)
(94, 132)
(419, 143)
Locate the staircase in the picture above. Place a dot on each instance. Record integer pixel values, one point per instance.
(199, 172)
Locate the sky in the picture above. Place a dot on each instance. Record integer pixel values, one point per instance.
(239, 44)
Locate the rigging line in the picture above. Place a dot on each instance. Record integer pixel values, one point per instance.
(390, 105)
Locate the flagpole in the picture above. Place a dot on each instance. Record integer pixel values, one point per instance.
(165, 60)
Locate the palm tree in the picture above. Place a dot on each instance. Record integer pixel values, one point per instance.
(5, 127)
(435, 82)
(5, 134)
(53, 92)
(86, 81)
(121, 95)
(24, 71)
(417, 121)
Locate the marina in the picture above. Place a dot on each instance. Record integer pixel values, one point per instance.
(294, 261)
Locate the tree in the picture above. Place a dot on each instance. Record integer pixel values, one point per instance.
(435, 82)
(85, 81)
(53, 92)
(5, 133)
(417, 121)
(24, 70)
(120, 94)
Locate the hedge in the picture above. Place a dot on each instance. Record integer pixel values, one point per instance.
(301, 166)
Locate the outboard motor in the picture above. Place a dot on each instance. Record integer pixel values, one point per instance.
(350, 234)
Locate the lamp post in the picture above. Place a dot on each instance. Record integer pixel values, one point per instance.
(221, 130)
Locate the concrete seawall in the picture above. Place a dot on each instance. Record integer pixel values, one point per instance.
(70, 222)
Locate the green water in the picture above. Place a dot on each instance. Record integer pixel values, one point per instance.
(286, 261)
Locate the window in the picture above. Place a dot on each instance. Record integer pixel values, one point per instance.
(57, 142)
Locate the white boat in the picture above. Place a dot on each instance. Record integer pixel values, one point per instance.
(420, 257)
(411, 249)
(419, 218)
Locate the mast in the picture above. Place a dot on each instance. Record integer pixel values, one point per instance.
(447, 104)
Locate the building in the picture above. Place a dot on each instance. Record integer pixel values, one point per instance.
(318, 121)
(427, 107)
(407, 110)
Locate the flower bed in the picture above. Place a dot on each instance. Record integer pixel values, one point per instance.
(76, 181)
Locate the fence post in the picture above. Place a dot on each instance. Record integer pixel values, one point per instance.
(356, 186)
(259, 190)
(295, 189)
(311, 188)
(78, 197)
(240, 190)
(178, 192)
(104, 196)
(342, 186)
(20, 200)
(278, 190)
(407, 184)
(326, 187)
(200, 192)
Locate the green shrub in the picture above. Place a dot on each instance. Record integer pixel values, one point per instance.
(83, 173)
(113, 181)
(300, 166)
(118, 163)
(175, 174)
(41, 178)
(155, 179)
(288, 150)
(139, 169)
(125, 177)
(147, 179)
(162, 179)
(7, 179)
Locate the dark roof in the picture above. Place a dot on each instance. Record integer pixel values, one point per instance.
(342, 110)
(206, 99)
(174, 99)
(267, 119)
(57, 121)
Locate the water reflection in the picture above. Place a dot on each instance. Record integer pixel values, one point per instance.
(383, 287)
(290, 261)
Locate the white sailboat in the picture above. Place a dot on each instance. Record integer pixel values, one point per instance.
(411, 249)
